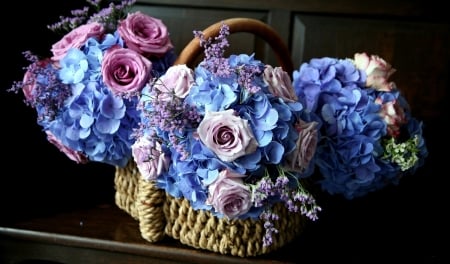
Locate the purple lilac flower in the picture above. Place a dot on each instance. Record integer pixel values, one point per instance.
(42, 89)
(108, 15)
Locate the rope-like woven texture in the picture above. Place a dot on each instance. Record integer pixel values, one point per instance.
(150, 202)
(126, 183)
(142, 200)
(243, 238)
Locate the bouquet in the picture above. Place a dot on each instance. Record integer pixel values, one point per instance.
(369, 138)
(228, 136)
(85, 94)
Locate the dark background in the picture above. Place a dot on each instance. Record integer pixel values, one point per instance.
(37, 178)
(405, 222)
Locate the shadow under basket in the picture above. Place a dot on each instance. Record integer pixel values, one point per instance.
(160, 214)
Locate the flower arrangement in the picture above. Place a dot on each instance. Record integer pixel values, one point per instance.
(85, 94)
(233, 136)
(369, 138)
(229, 136)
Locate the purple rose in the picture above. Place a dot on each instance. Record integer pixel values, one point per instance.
(227, 135)
(279, 83)
(149, 157)
(76, 38)
(125, 71)
(177, 81)
(229, 195)
(300, 158)
(145, 34)
(76, 156)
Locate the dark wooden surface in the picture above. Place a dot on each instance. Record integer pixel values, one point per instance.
(54, 209)
(397, 224)
(100, 234)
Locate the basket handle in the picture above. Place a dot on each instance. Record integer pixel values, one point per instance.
(192, 50)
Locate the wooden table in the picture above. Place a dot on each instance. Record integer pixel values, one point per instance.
(101, 234)
(106, 234)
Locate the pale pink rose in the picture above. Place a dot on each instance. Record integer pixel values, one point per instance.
(145, 34)
(76, 38)
(229, 195)
(76, 156)
(306, 146)
(394, 116)
(377, 70)
(150, 159)
(279, 83)
(125, 71)
(29, 78)
(227, 135)
(177, 81)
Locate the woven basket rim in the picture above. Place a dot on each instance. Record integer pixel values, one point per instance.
(241, 24)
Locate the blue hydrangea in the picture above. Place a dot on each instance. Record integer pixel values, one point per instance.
(80, 114)
(351, 155)
(271, 120)
(92, 120)
(263, 157)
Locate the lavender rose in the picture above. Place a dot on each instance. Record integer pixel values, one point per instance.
(125, 71)
(177, 81)
(227, 135)
(150, 159)
(279, 83)
(229, 195)
(76, 156)
(300, 158)
(377, 70)
(76, 38)
(145, 34)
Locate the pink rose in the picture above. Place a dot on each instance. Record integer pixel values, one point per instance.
(125, 71)
(76, 38)
(307, 140)
(227, 135)
(177, 81)
(229, 195)
(145, 34)
(377, 70)
(76, 156)
(29, 79)
(394, 116)
(279, 82)
(149, 157)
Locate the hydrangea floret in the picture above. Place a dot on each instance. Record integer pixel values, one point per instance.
(222, 137)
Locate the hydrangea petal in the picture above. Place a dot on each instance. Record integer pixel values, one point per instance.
(107, 125)
(112, 107)
(274, 152)
(86, 121)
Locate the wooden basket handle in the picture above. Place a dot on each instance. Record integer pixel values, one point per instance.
(249, 25)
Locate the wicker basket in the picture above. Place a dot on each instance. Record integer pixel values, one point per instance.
(159, 214)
